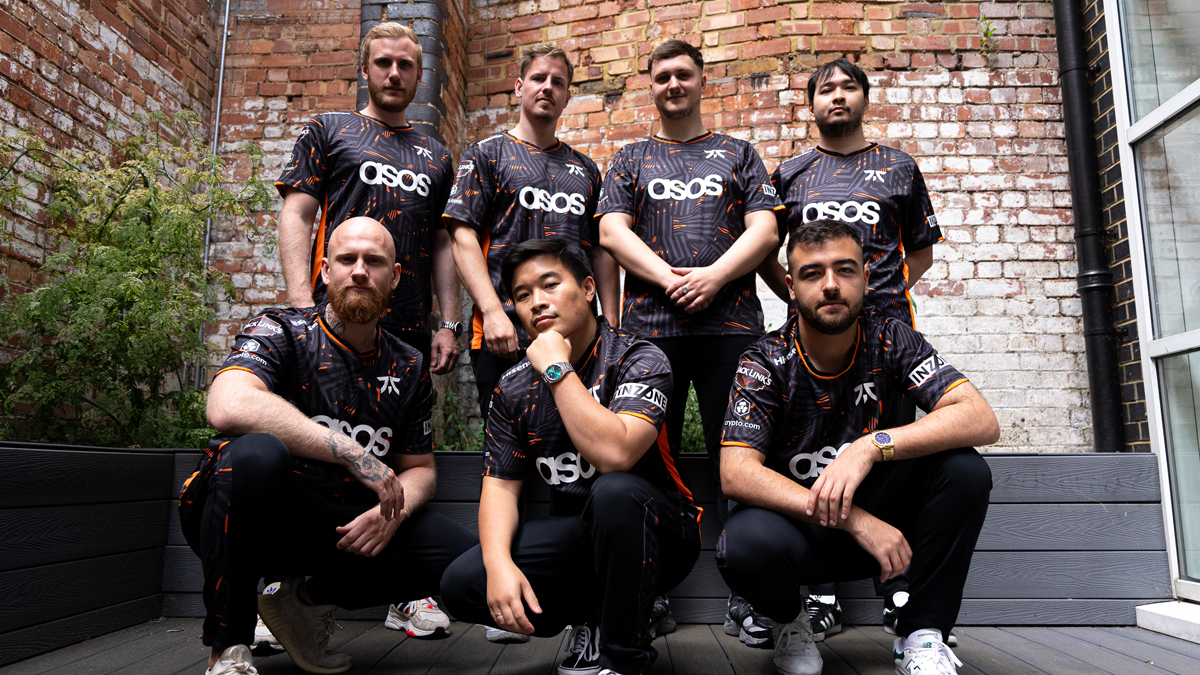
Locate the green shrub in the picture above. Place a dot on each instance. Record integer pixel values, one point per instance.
(693, 432)
(102, 346)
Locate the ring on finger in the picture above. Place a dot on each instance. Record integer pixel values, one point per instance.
(683, 289)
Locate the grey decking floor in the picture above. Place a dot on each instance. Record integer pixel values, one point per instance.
(170, 646)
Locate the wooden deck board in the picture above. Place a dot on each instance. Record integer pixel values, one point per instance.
(539, 656)
(695, 652)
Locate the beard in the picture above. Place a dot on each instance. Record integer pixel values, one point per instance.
(680, 114)
(534, 113)
(829, 325)
(391, 105)
(840, 128)
(359, 307)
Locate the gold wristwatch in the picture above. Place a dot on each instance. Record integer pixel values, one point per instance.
(883, 441)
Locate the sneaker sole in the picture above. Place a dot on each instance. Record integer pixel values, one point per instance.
(509, 640)
(579, 671)
(732, 628)
(832, 630)
(758, 643)
(412, 631)
(283, 634)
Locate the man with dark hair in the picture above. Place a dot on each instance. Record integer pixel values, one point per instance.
(324, 434)
(880, 191)
(688, 214)
(584, 412)
(822, 493)
(519, 185)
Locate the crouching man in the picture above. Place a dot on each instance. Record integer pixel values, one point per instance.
(823, 494)
(584, 411)
(320, 468)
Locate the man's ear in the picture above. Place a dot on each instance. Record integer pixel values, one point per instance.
(791, 289)
(517, 86)
(325, 271)
(589, 288)
(396, 276)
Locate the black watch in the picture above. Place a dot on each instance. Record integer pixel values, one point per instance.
(455, 326)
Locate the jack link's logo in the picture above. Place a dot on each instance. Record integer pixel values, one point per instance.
(847, 212)
(465, 168)
(921, 374)
(865, 392)
(642, 391)
(423, 152)
(662, 188)
(374, 173)
(807, 465)
(377, 442)
(714, 154)
(575, 170)
(387, 384)
(566, 468)
(561, 202)
(873, 175)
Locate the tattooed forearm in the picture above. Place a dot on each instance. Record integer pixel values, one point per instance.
(360, 462)
(331, 318)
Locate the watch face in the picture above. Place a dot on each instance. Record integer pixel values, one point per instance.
(554, 372)
(883, 438)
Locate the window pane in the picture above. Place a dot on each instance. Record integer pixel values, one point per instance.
(1180, 377)
(1163, 46)
(1170, 183)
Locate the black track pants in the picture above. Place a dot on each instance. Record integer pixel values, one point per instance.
(252, 517)
(938, 502)
(605, 566)
(488, 368)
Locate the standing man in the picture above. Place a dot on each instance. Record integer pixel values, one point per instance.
(320, 466)
(519, 185)
(689, 214)
(880, 191)
(373, 163)
(584, 412)
(823, 494)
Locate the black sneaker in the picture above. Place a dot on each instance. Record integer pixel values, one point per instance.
(661, 621)
(584, 645)
(825, 615)
(891, 610)
(753, 629)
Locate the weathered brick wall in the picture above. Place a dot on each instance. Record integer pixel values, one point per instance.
(985, 125)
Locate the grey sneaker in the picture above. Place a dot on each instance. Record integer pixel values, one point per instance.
(418, 618)
(504, 637)
(752, 628)
(661, 621)
(303, 630)
(235, 660)
(795, 650)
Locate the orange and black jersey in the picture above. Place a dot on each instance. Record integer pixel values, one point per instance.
(802, 419)
(355, 165)
(526, 435)
(382, 399)
(879, 190)
(689, 202)
(510, 191)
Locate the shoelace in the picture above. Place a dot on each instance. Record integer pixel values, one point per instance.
(414, 605)
(584, 644)
(328, 624)
(931, 660)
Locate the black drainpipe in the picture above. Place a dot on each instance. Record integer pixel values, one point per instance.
(1094, 278)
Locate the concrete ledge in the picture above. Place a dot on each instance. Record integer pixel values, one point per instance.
(1177, 619)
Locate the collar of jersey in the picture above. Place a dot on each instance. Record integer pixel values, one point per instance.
(813, 371)
(407, 127)
(557, 143)
(701, 137)
(361, 355)
(831, 153)
(591, 350)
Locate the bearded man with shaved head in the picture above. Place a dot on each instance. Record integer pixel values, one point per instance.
(324, 432)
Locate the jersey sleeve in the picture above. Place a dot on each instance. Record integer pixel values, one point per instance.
(416, 438)
(758, 193)
(306, 170)
(504, 454)
(921, 373)
(644, 385)
(443, 195)
(470, 198)
(781, 215)
(920, 229)
(593, 223)
(618, 191)
(754, 400)
(263, 347)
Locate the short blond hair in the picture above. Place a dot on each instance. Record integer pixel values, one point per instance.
(388, 29)
(544, 49)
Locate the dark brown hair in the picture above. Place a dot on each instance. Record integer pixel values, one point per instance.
(672, 48)
(544, 49)
(829, 69)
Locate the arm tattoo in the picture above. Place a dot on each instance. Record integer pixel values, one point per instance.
(331, 318)
(360, 462)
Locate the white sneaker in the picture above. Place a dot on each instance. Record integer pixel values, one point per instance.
(504, 637)
(235, 660)
(795, 650)
(924, 653)
(264, 641)
(418, 618)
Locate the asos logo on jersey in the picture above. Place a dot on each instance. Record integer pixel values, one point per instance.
(664, 188)
(376, 441)
(566, 468)
(559, 202)
(374, 173)
(805, 465)
(847, 212)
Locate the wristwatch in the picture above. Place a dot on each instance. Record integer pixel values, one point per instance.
(883, 441)
(556, 371)
(455, 326)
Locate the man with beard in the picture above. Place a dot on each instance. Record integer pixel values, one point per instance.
(519, 185)
(324, 434)
(822, 493)
(373, 163)
(881, 192)
(688, 214)
(584, 412)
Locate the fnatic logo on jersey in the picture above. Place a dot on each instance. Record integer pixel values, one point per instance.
(642, 391)
(575, 170)
(424, 152)
(805, 465)
(921, 374)
(752, 377)
(865, 392)
(714, 154)
(374, 173)
(664, 188)
(874, 175)
(559, 202)
(388, 384)
(377, 441)
(566, 468)
(847, 212)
